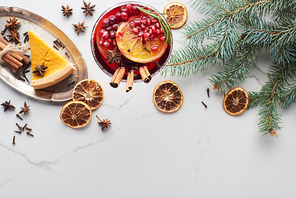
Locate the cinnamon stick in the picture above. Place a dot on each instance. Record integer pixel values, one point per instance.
(119, 76)
(145, 74)
(114, 77)
(130, 80)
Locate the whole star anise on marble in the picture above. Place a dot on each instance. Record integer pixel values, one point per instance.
(7, 106)
(40, 69)
(25, 109)
(80, 27)
(105, 123)
(113, 56)
(67, 11)
(88, 9)
(14, 36)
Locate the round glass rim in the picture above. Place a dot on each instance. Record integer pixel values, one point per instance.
(93, 35)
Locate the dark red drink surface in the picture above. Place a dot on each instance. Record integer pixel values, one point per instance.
(104, 41)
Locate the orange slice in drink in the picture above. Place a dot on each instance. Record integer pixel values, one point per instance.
(141, 39)
(236, 101)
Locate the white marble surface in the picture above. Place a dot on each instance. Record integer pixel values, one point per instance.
(195, 152)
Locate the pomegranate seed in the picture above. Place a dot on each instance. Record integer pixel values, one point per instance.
(124, 16)
(162, 38)
(143, 18)
(146, 35)
(112, 19)
(153, 28)
(101, 41)
(154, 48)
(137, 22)
(150, 31)
(149, 21)
(141, 34)
(135, 10)
(129, 6)
(157, 25)
(154, 20)
(106, 44)
(151, 37)
(109, 40)
(115, 27)
(101, 31)
(144, 21)
(120, 33)
(114, 42)
(105, 23)
(146, 30)
(105, 35)
(143, 26)
(123, 9)
(108, 28)
(112, 34)
(132, 25)
(158, 31)
(161, 31)
(118, 16)
(136, 30)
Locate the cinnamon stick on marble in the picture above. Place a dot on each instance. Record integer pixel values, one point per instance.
(117, 77)
(130, 80)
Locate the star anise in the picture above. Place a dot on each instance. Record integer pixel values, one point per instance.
(40, 69)
(25, 109)
(113, 56)
(14, 36)
(7, 106)
(11, 24)
(80, 27)
(88, 9)
(67, 11)
(105, 123)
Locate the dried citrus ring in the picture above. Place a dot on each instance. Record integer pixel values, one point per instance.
(176, 14)
(76, 114)
(167, 96)
(90, 92)
(236, 101)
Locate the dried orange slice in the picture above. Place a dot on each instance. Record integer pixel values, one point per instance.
(167, 96)
(176, 14)
(76, 114)
(139, 41)
(236, 101)
(90, 92)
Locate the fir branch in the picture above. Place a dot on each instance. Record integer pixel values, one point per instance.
(289, 96)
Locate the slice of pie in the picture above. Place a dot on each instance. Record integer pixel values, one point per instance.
(58, 68)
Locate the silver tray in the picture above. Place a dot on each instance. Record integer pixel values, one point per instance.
(49, 32)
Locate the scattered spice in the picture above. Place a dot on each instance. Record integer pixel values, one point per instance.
(145, 48)
(208, 92)
(21, 128)
(67, 11)
(13, 140)
(14, 36)
(26, 37)
(7, 106)
(71, 83)
(11, 24)
(204, 104)
(128, 50)
(40, 69)
(30, 134)
(88, 8)
(25, 109)
(56, 47)
(20, 78)
(24, 74)
(59, 43)
(157, 64)
(113, 56)
(105, 123)
(17, 115)
(66, 53)
(80, 27)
